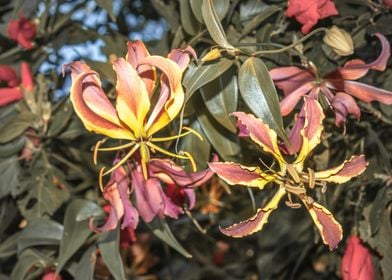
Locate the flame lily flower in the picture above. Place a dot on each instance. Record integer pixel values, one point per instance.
(292, 180)
(135, 117)
(339, 86)
(154, 196)
(15, 88)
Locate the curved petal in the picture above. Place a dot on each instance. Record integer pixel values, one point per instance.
(236, 174)
(182, 56)
(136, 52)
(8, 75)
(344, 104)
(133, 102)
(255, 223)
(9, 95)
(27, 77)
(344, 172)
(367, 93)
(330, 230)
(311, 132)
(356, 68)
(288, 103)
(295, 137)
(92, 105)
(171, 98)
(260, 133)
(290, 78)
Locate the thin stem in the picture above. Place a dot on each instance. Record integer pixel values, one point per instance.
(322, 29)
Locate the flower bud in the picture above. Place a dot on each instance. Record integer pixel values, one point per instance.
(339, 40)
(212, 55)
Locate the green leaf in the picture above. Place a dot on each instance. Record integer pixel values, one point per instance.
(224, 142)
(200, 150)
(204, 73)
(75, 232)
(40, 232)
(221, 8)
(213, 24)
(60, 118)
(12, 147)
(188, 20)
(27, 261)
(255, 22)
(9, 176)
(108, 7)
(221, 98)
(164, 233)
(109, 248)
(8, 247)
(86, 265)
(43, 197)
(259, 93)
(15, 127)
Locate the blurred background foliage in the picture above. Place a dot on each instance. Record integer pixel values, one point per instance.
(48, 182)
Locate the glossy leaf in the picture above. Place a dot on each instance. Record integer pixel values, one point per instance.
(259, 93)
(75, 233)
(188, 20)
(204, 73)
(108, 245)
(221, 98)
(255, 21)
(26, 262)
(221, 8)
(85, 268)
(213, 24)
(40, 232)
(15, 127)
(61, 118)
(164, 233)
(9, 176)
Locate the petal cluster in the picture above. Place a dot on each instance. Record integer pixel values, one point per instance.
(291, 180)
(23, 31)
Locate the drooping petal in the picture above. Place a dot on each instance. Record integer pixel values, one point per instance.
(236, 174)
(343, 105)
(149, 196)
(171, 173)
(330, 230)
(290, 78)
(367, 93)
(288, 103)
(295, 137)
(256, 222)
(182, 56)
(260, 133)
(27, 77)
(344, 172)
(92, 105)
(357, 261)
(9, 95)
(311, 132)
(170, 102)
(356, 68)
(171, 209)
(8, 76)
(133, 102)
(136, 52)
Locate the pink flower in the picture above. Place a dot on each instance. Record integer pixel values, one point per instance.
(388, 3)
(153, 195)
(339, 88)
(357, 262)
(23, 31)
(15, 88)
(308, 12)
(51, 276)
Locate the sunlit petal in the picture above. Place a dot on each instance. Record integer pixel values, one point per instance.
(133, 102)
(92, 105)
(344, 172)
(260, 133)
(330, 230)
(236, 174)
(255, 223)
(311, 132)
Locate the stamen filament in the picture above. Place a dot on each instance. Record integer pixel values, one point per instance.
(163, 151)
(115, 148)
(169, 138)
(100, 178)
(124, 159)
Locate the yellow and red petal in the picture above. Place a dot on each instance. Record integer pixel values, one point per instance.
(92, 105)
(311, 132)
(344, 172)
(171, 95)
(330, 230)
(236, 174)
(260, 133)
(256, 222)
(133, 102)
(136, 52)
